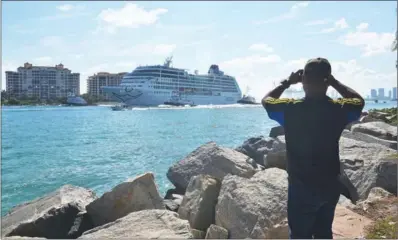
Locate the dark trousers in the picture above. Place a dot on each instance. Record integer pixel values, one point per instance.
(311, 211)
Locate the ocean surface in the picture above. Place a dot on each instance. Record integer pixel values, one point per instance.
(46, 147)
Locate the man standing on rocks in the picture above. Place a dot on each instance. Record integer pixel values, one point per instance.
(313, 126)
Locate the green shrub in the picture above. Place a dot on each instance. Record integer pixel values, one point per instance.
(385, 228)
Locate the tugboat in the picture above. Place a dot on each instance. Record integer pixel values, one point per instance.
(74, 100)
(246, 99)
(177, 101)
(120, 107)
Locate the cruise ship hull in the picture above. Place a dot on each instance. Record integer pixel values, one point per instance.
(143, 97)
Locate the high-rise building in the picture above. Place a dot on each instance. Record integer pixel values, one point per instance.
(394, 93)
(381, 93)
(389, 94)
(97, 81)
(42, 82)
(373, 93)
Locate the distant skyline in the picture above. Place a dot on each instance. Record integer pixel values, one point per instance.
(257, 42)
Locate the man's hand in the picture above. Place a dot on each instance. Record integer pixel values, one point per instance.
(296, 77)
(330, 81)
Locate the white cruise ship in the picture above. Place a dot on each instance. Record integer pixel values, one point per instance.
(157, 84)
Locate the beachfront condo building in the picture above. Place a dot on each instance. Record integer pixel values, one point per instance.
(101, 79)
(42, 82)
(373, 93)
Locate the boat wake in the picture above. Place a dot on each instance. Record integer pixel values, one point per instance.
(168, 107)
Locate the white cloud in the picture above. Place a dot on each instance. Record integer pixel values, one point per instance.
(338, 25)
(292, 13)
(371, 43)
(317, 22)
(251, 61)
(65, 7)
(361, 78)
(362, 26)
(129, 16)
(261, 47)
(261, 73)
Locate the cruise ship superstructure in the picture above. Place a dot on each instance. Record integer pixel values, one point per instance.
(154, 85)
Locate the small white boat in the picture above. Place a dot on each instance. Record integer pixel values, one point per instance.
(121, 107)
(75, 100)
(179, 102)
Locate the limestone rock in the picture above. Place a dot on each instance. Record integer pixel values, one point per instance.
(81, 224)
(367, 166)
(216, 232)
(376, 195)
(248, 207)
(256, 148)
(197, 234)
(198, 204)
(276, 132)
(22, 238)
(377, 129)
(276, 156)
(279, 231)
(367, 118)
(133, 195)
(212, 160)
(171, 205)
(145, 224)
(369, 139)
(50, 216)
(173, 193)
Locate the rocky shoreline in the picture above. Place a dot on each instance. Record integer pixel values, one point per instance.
(219, 193)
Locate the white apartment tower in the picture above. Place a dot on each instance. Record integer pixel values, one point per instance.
(97, 81)
(42, 82)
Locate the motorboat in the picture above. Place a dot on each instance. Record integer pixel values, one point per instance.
(179, 102)
(120, 107)
(246, 99)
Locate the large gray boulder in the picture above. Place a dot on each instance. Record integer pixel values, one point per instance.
(51, 216)
(216, 232)
(276, 132)
(369, 139)
(368, 165)
(248, 207)
(145, 224)
(212, 160)
(199, 202)
(377, 129)
(133, 195)
(276, 156)
(256, 148)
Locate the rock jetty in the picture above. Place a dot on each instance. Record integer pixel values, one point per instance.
(221, 193)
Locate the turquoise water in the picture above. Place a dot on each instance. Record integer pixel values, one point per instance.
(44, 148)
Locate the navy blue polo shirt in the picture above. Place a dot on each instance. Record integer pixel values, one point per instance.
(312, 132)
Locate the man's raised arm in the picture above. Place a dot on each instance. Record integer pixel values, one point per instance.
(352, 102)
(345, 92)
(274, 106)
(277, 92)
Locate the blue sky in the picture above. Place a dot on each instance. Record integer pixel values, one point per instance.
(257, 42)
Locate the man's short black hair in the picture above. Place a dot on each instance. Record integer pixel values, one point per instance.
(318, 68)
